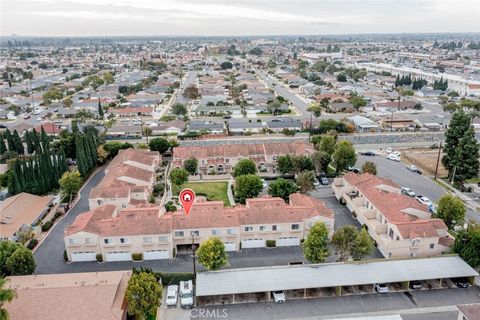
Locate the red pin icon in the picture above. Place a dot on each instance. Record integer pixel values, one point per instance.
(187, 197)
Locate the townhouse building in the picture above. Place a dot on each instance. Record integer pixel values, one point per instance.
(222, 158)
(128, 181)
(399, 224)
(117, 233)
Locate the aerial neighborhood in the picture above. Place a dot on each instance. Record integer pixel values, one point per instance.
(259, 177)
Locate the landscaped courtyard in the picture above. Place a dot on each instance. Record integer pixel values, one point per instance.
(212, 190)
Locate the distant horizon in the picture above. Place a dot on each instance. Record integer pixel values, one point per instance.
(241, 35)
(78, 18)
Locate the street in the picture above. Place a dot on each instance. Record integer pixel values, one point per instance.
(399, 174)
(412, 305)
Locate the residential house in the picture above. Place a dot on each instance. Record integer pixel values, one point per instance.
(280, 124)
(128, 181)
(469, 311)
(73, 296)
(399, 224)
(212, 127)
(118, 233)
(22, 212)
(222, 158)
(363, 124)
(244, 126)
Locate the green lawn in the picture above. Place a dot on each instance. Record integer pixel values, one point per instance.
(212, 190)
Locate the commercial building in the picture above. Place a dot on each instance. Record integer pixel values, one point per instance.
(399, 224)
(117, 233)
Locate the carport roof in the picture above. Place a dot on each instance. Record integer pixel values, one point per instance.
(264, 279)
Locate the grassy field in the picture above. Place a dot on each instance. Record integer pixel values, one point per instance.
(212, 190)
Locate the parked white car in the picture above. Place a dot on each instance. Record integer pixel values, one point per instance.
(408, 192)
(393, 157)
(396, 153)
(278, 296)
(424, 200)
(186, 294)
(412, 167)
(172, 294)
(264, 183)
(381, 287)
(389, 150)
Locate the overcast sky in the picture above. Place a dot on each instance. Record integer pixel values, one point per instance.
(235, 17)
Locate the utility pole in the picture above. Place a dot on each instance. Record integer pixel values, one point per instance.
(453, 175)
(193, 258)
(438, 160)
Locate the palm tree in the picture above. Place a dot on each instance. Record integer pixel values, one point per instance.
(6, 295)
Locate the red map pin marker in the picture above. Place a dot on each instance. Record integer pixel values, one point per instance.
(187, 197)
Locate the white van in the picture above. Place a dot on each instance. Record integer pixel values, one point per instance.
(186, 294)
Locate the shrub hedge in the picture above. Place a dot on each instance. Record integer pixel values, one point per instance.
(99, 257)
(32, 244)
(137, 256)
(271, 243)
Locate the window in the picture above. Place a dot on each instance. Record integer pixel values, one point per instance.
(107, 241)
(124, 205)
(194, 233)
(432, 245)
(179, 234)
(123, 240)
(163, 238)
(295, 226)
(310, 224)
(147, 239)
(248, 229)
(99, 202)
(391, 234)
(215, 232)
(263, 228)
(231, 231)
(72, 241)
(274, 227)
(227, 160)
(88, 240)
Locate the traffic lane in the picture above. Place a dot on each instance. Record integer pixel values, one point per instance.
(399, 174)
(324, 308)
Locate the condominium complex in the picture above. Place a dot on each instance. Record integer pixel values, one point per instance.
(128, 180)
(399, 224)
(222, 158)
(117, 233)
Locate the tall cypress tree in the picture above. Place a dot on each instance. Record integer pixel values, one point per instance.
(459, 124)
(28, 140)
(3, 147)
(81, 161)
(18, 143)
(466, 162)
(45, 139)
(36, 139)
(10, 141)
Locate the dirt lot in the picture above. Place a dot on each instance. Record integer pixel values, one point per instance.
(425, 159)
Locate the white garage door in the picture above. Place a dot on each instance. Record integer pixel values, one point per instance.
(230, 246)
(253, 243)
(156, 254)
(83, 256)
(118, 256)
(288, 241)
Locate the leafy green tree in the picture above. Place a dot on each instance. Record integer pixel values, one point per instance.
(51, 95)
(6, 295)
(467, 245)
(44, 139)
(315, 109)
(344, 155)
(349, 243)
(327, 143)
(226, 65)
(191, 165)
(285, 164)
(170, 206)
(458, 126)
(247, 186)
(100, 110)
(67, 102)
(302, 163)
(29, 142)
(7, 248)
(320, 160)
(369, 167)
(342, 77)
(20, 262)
(243, 167)
(450, 209)
(212, 254)
(159, 144)
(315, 246)
(357, 101)
(305, 181)
(10, 141)
(179, 109)
(70, 183)
(467, 157)
(112, 147)
(108, 78)
(179, 176)
(143, 295)
(282, 188)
